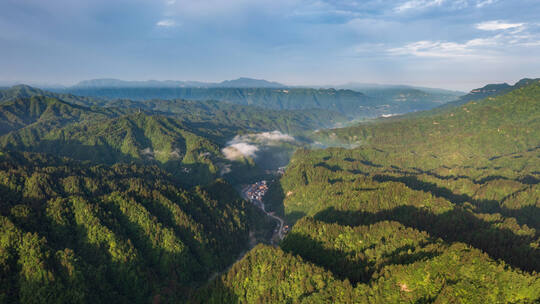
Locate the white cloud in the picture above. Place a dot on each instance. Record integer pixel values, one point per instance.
(498, 25)
(418, 4)
(247, 145)
(514, 37)
(444, 49)
(239, 150)
(482, 3)
(265, 138)
(166, 23)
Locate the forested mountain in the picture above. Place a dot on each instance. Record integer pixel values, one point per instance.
(491, 90)
(226, 116)
(346, 102)
(417, 98)
(471, 132)
(46, 112)
(441, 207)
(72, 233)
(182, 137)
(24, 91)
(133, 138)
(414, 98)
(242, 82)
(214, 114)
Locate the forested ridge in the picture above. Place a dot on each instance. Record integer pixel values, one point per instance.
(126, 233)
(182, 137)
(435, 207)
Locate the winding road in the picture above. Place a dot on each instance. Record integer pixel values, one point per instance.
(281, 230)
(280, 233)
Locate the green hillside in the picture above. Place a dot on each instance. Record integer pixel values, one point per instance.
(183, 137)
(474, 131)
(441, 207)
(25, 91)
(210, 115)
(490, 90)
(414, 269)
(133, 138)
(72, 233)
(234, 118)
(415, 99)
(46, 112)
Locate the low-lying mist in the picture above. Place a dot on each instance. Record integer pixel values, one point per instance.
(269, 150)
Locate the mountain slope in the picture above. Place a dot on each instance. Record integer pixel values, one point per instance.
(269, 275)
(137, 137)
(24, 92)
(47, 112)
(432, 208)
(207, 114)
(232, 118)
(491, 90)
(75, 233)
(494, 126)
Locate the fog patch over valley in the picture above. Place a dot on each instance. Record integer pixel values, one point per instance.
(268, 150)
(247, 145)
(239, 150)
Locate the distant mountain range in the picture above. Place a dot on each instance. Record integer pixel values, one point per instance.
(361, 102)
(242, 82)
(364, 87)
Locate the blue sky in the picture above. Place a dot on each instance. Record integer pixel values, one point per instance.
(457, 44)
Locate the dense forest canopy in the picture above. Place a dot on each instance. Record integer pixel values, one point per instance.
(435, 207)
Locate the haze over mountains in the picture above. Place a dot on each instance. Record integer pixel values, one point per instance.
(242, 82)
(272, 95)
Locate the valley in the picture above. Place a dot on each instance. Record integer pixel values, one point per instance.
(255, 194)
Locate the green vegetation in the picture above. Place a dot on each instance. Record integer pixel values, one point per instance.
(133, 138)
(211, 116)
(74, 233)
(413, 98)
(403, 266)
(182, 137)
(490, 90)
(435, 207)
(465, 135)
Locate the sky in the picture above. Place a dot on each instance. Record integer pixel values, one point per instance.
(454, 44)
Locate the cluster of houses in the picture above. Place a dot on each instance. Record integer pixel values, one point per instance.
(255, 192)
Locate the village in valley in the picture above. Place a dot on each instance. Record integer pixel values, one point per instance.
(255, 193)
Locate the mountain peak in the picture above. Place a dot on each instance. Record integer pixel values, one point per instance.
(245, 82)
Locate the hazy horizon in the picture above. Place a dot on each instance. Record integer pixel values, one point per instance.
(45, 85)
